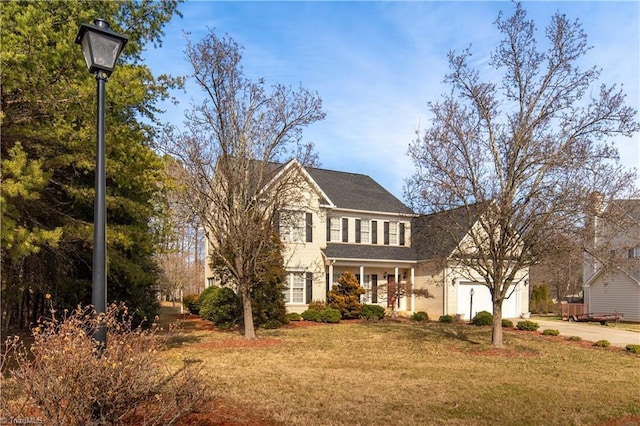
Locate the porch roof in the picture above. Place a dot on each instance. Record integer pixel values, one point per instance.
(369, 252)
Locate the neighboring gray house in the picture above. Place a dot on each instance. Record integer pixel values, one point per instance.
(611, 272)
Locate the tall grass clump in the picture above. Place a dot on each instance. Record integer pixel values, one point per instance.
(65, 377)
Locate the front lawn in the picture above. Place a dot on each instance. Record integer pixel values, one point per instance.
(406, 373)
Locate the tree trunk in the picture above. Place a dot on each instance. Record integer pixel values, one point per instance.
(496, 331)
(249, 330)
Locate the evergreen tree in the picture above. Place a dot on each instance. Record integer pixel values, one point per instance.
(345, 296)
(48, 150)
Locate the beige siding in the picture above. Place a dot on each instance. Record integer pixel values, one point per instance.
(617, 293)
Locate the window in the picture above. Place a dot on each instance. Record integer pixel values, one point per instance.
(391, 233)
(333, 229)
(366, 284)
(309, 227)
(374, 232)
(364, 230)
(292, 226)
(401, 234)
(634, 253)
(345, 230)
(294, 293)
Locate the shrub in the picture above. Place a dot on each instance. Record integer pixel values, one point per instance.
(507, 323)
(317, 305)
(420, 316)
(221, 306)
(634, 349)
(330, 315)
(372, 312)
(345, 296)
(575, 339)
(602, 343)
(446, 318)
(190, 302)
(550, 332)
(527, 325)
(482, 318)
(268, 305)
(311, 315)
(67, 378)
(293, 316)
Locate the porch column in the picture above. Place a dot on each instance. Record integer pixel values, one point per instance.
(413, 296)
(399, 300)
(362, 296)
(330, 279)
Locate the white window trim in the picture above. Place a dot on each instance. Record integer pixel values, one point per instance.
(365, 231)
(290, 293)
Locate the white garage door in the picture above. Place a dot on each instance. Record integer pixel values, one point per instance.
(482, 301)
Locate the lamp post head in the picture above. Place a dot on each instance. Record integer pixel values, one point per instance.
(101, 47)
(471, 292)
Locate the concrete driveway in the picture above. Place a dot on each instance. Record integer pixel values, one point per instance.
(592, 332)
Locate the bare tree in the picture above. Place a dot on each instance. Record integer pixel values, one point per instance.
(529, 149)
(233, 154)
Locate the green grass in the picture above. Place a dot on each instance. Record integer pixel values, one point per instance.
(416, 374)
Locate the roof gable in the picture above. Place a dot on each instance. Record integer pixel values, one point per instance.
(437, 235)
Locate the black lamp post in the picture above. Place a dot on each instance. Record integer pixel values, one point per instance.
(101, 48)
(471, 304)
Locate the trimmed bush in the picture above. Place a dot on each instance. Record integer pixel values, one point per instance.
(634, 349)
(420, 316)
(372, 312)
(345, 296)
(293, 316)
(527, 325)
(482, 318)
(575, 339)
(190, 302)
(602, 343)
(221, 306)
(311, 315)
(446, 318)
(550, 332)
(330, 315)
(317, 305)
(507, 323)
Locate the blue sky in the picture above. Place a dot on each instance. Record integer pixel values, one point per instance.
(377, 64)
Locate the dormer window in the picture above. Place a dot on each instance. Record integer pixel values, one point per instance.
(634, 253)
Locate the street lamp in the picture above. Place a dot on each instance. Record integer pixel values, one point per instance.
(471, 304)
(101, 48)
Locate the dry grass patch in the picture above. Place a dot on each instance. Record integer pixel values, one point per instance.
(417, 374)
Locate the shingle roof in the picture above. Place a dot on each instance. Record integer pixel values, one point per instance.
(365, 251)
(438, 234)
(356, 191)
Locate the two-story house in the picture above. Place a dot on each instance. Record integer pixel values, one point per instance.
(348, 222)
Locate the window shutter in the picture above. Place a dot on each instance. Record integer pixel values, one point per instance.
(358, 226)
(345, 230)
(401, 232)
(386, 233)
(374, 288)
(276, 223)
(309, 287)
(328, 229)
(374, 232)
(309, 227)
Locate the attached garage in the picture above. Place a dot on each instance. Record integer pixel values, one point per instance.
(482, 301)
